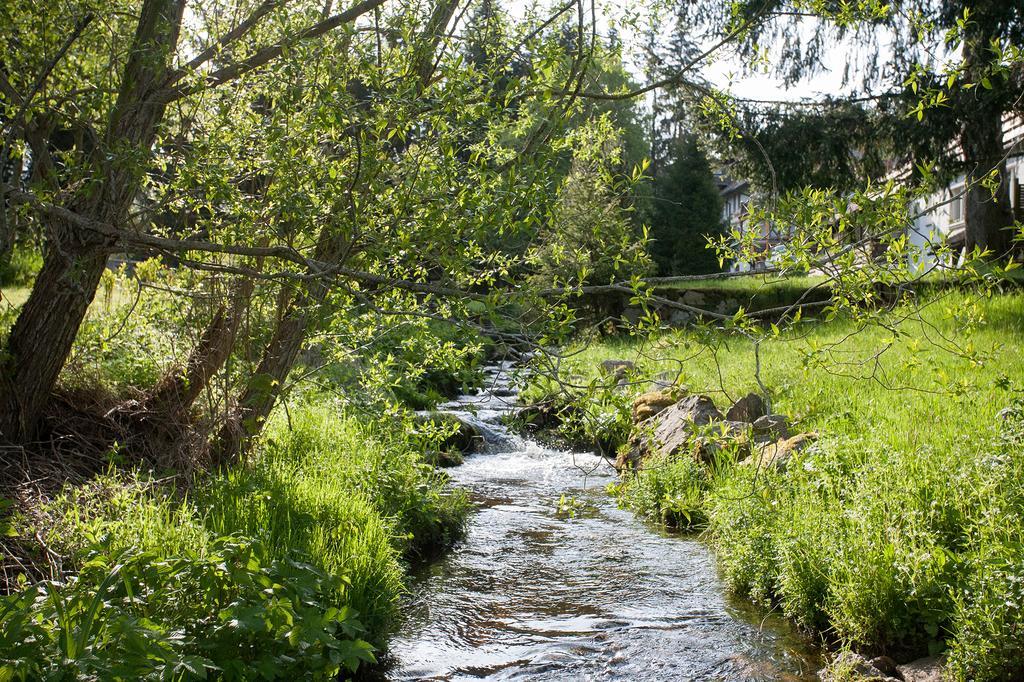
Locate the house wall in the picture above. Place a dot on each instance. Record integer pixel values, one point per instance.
(939, 216)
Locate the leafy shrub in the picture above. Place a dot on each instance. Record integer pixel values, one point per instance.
(597, 416)
(670, 490)
(230, 613)
(988, 642)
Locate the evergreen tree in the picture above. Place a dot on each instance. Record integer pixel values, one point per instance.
(686, 209)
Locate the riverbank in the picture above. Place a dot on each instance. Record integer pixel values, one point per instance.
(291, 562)
(898, 531)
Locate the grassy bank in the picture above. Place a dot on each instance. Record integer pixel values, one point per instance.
(900, 530)
(296, 558)
(290, 563)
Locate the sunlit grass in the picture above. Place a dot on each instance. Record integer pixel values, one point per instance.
(899, 531)
(345, 496)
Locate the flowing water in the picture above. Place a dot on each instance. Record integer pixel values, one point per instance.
(554, 582)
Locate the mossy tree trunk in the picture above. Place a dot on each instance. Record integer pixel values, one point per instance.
(41, 338)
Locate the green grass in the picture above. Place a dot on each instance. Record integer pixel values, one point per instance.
(349, 499)
(900, 530)
(14, 296)
(351, 496)
(749, 284)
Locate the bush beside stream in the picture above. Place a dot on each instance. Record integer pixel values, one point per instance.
(292, 562)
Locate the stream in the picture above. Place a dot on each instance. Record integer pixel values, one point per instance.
(585, 592)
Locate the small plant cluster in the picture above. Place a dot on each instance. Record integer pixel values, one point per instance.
(233, 613)
(672, 491)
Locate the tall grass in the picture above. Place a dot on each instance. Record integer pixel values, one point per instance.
(900, 530)
(351, 496)
(346, 498)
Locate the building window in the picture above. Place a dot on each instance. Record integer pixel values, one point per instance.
(956, 206)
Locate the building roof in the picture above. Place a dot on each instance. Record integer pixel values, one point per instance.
(728, 186)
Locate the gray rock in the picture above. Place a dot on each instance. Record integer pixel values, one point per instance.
(632, 315)
(771, 427)
(778, 454)
(885, 664)
(674, 425)
(694, 298)
(747, 409)
(849, 666)
(617, 368)
(680, 318)
(927, 669)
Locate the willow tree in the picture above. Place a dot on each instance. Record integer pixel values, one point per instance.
(298, 150)
(108, 86)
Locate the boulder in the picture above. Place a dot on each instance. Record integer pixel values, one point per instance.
(848, 666)
(632, 315)
(778, 454)
(747, 409)
(770, 427)
(670, 431)
(885, 664)
(679, 318)
(617, 368)
(694, 298)
(922, 670)
(653, 402)
(694, 409)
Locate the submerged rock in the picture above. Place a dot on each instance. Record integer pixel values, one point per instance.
(747, 409)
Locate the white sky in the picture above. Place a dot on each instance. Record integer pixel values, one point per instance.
(726, 69)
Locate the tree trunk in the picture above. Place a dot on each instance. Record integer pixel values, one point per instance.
(178, 391)
(264, 386)
(42, 336)
(987, 218)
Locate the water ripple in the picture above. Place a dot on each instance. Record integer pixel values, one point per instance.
(534, 594)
